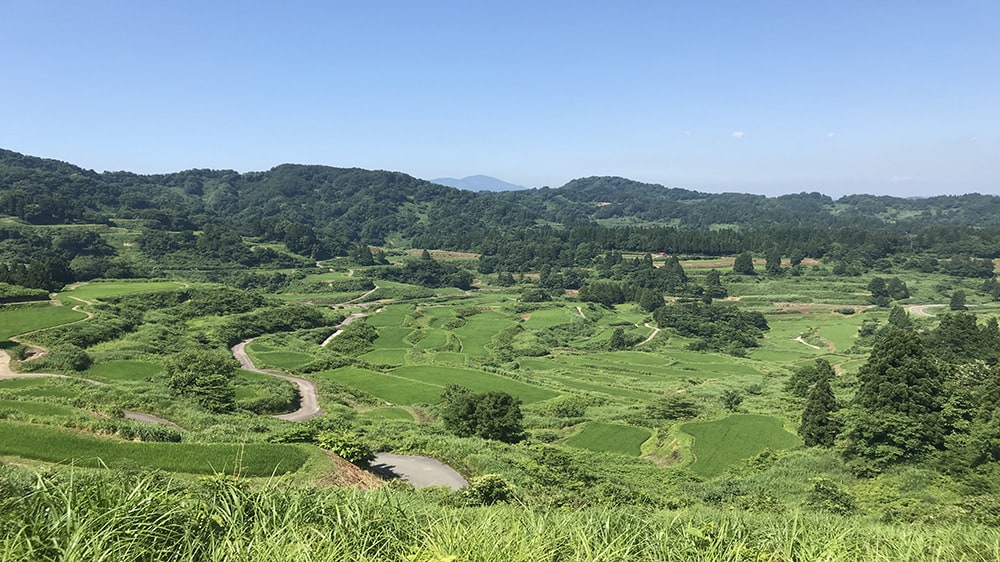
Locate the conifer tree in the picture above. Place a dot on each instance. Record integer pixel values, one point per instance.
(744, 264)
(896, 413)
(819, 424)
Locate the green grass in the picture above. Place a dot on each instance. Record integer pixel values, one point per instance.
(390, 316)
(478, 381)
(24, 318)
(392, 338)
(388, 414)
(721, 443)
(386, 356)
(42, 409)
(549, 317)
(392, 389)
(610, 438)
(123, 371)
(66, 446)
(281, 359)
(103, 289)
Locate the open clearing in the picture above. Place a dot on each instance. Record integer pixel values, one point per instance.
(721, 443)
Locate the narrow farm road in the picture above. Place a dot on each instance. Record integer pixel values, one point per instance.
(921, 309)
(309, 398)
(651, 336)
(419, 471)
(580, 310)
(340, 328)
(804, 342)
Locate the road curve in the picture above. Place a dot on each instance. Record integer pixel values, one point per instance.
(419, 471)
(309, 398)
(921, 309)
(340, 328)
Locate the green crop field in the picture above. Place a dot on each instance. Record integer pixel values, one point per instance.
(479, 331)
(123, 370)
(39, 387)
(478, 381)
(281, 359)
(432, 339)
(392, 338)
(66, 446)
(549, 317)
(386, 356)
(721, 443)
(42, 409)
(390, 316)
(24, 318)
(610, 438)
(393, 389)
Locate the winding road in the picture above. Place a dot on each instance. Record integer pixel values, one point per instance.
(921, 309)
(340, 328)
(309, 398)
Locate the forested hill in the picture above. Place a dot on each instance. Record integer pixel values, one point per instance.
(351, 204)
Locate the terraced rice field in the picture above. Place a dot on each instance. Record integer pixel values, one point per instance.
(610, 438)
(721, 443)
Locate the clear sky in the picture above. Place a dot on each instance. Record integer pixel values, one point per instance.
(889, 96)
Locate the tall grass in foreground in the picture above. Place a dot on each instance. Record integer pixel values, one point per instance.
(70, 517)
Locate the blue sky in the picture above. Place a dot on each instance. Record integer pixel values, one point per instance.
(889, 97)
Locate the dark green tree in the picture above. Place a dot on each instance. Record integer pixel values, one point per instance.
(957, 301)
(204, 375)
(820, 425)
(744, 264)
(713, 285)
(899, 319)
(805, 377)
(490, 415)
(731, 399)
(617, 341)
(650, 300)
(897, 289)
(880, 292)
(772, 263)
(896, 415)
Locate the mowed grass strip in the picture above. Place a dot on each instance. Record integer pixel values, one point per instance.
(397, 390)
(721, 443)
(66, 446)
(22, 319)
(610, 438)
(123, 370)
(478, 381)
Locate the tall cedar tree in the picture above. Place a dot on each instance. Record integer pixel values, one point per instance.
(896, 413)
(744, 264)
(819, 425)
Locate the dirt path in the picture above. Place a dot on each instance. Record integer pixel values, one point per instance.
(309, 398)
(804, 342)
(419, 471)
(580, 310)
(340, 328)
(921, 309)
(356, 299)
(651, 336)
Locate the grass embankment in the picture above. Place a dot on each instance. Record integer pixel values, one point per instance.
(66, 446)
(71, 516)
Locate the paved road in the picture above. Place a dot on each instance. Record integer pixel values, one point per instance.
(340, 328)
(419, 471)
(309, 398)
(921, 309)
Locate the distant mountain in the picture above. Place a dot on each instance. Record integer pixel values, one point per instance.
(479, 183)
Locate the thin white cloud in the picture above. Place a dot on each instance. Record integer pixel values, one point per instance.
(830, 135)
(899, 179)
(738, 134)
